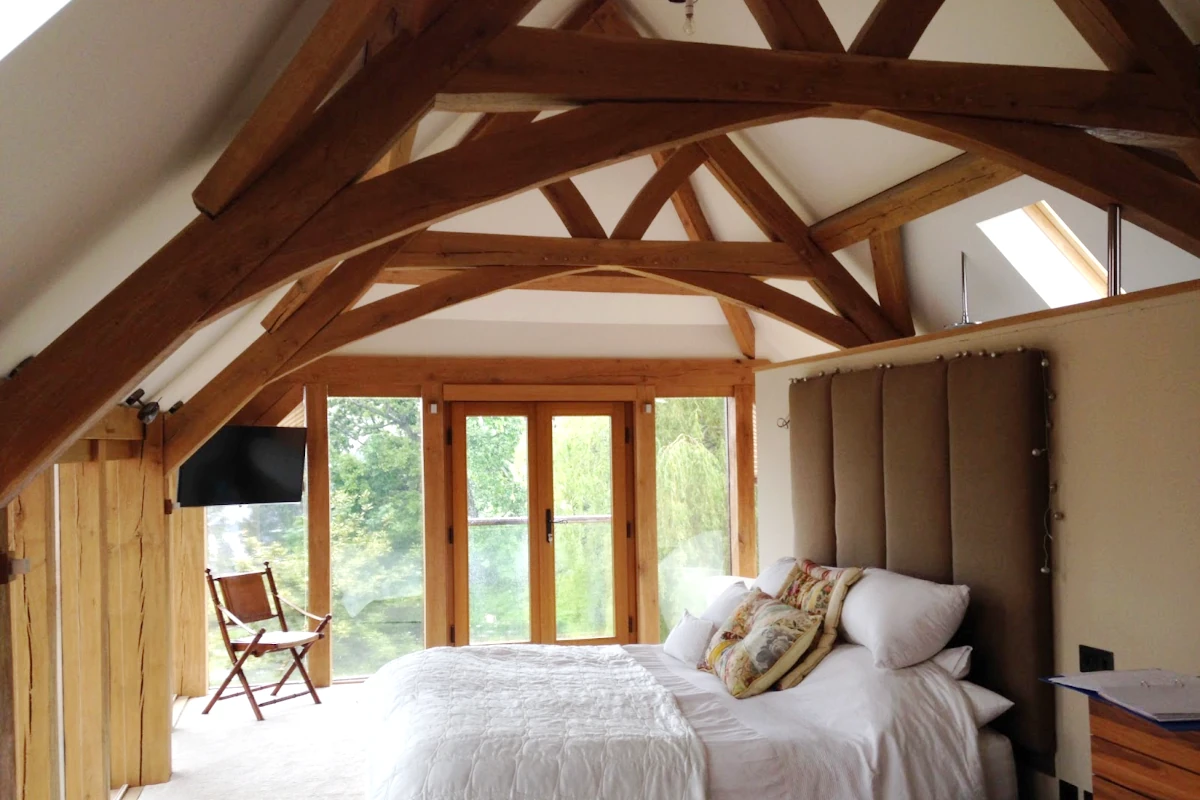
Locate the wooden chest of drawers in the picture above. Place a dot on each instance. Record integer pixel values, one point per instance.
(1133, 759)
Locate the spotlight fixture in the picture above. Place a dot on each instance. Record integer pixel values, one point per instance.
(147, 412)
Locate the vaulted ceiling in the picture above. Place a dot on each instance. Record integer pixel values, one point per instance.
(116, 109)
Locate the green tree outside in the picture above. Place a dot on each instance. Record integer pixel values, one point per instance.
(377, 528)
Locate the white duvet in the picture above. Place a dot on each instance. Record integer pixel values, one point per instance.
(850, 731)
(551, 723)
(526, 722)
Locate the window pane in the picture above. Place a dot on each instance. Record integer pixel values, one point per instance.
(377, 531)
(498, 529)
(583, 529)
(693, 502)
(240, 539)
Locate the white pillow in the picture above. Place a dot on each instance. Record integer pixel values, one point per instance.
(902, 620)
(771, 579)
(715, 585)
(724, 604)
(955, 660)
(986, 705)
(688, 641)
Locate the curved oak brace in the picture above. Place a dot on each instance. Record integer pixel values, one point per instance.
(766, 299)
(795, 25)
(414, 303)
(486, 170)
(645, 206)
(773, 214)
(571, 207)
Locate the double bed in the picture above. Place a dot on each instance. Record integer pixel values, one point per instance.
(923, 472)
(564, 723)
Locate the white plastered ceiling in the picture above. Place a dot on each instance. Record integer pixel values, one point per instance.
(114, 110)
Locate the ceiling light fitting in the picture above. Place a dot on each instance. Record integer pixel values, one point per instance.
(689, 16)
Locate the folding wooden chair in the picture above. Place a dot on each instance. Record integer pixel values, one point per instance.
(246, 601)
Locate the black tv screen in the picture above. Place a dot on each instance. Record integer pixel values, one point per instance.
(244, 464)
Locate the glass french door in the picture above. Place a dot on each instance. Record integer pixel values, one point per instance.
(540, 497)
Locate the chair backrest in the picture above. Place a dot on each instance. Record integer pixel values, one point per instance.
(246, 596)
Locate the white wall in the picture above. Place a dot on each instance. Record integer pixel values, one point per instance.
(1126, 455)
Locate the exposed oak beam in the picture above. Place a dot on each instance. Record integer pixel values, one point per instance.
(895, 27)
(448, 249)
(654, 195)
(573, 209)
(796, 25)
(383, 375)
(262, 404)
(277, 122)
(741, 326)
(959, 178)
(301, 290)
(529, 68)
(406, 306)
(599, 280)
(763, 203)
(775, 303)
(242, 379)
(695, 224)
(483, 171)
(610, 19)
(398, 155)
(1095, 171)
(891, 279)
(564, 196)
(1103, 34)
(106, 352)
(1160, 42)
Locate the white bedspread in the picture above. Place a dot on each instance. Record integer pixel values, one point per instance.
(848, 732)
(526, 723)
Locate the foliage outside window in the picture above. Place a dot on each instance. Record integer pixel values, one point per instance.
(693, 502)
(377, 531)
(498, 529)
(377, 542)
(240, 539)
(583, 533)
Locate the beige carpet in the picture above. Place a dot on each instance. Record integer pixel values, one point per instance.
(300, 750)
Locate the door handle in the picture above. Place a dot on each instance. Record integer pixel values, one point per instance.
(549, 526)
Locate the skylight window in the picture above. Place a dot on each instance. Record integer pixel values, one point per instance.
(1047, 255)
(20, 18)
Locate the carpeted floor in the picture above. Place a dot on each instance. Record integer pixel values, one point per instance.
(299, 750)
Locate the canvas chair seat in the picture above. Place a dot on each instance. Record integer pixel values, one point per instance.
(276, 640)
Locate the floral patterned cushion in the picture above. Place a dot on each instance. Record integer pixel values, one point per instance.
(760, 642)
(814, 589)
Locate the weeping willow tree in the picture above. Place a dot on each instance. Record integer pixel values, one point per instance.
(693, 502)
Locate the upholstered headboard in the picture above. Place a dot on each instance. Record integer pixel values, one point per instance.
(931, 470)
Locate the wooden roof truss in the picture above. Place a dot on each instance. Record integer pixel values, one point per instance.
(318, 189)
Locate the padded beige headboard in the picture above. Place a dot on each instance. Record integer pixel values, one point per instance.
(930, 470)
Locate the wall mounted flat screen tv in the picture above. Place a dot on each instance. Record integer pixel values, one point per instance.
(245, 464)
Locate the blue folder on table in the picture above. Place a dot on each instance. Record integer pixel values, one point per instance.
(1180, 692)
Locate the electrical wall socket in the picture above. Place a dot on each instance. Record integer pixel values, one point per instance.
(1093, 659)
